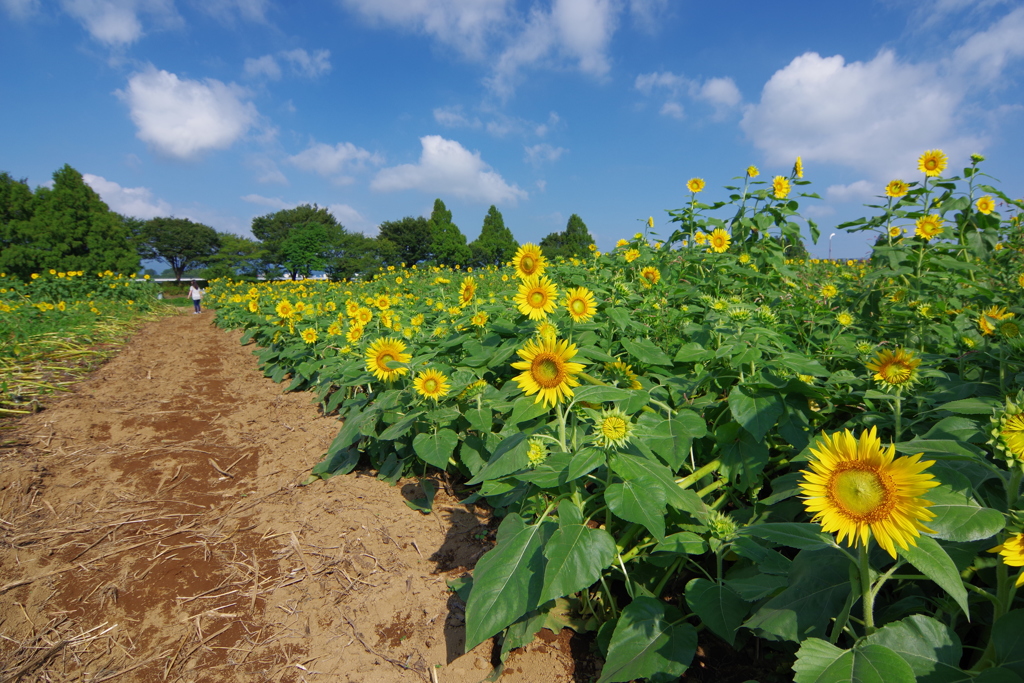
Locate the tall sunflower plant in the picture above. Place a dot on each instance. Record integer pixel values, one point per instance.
(689, 442)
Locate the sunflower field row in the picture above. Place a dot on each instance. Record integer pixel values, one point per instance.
(695, 432)
(51, 325)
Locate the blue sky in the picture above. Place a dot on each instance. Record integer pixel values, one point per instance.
(222, 110)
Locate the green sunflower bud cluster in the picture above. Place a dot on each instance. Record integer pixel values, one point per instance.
(1006, 435)
(766, 315)
(475, 389)
(722, 526)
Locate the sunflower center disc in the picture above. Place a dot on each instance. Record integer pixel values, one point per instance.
(614, 428)
(527, 264)
(430, 386)
(859, 491)
(384, 359)
(546, 372)
(536, 299)
(578, 307)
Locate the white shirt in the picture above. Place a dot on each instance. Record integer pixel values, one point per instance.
(195, 293)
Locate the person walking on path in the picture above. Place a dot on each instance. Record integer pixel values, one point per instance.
(196, 295)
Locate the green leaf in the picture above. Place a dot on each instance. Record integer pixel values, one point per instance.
(576, 556)
(819, 662)
(338, 461)
(600, 394)
(931, 649)
(758, 586)
(719, 607)
(646, 351)
(426, 503)
(621, 317)
(682, 543)
(1008, 638)
(743, 456)
(398, 429)
(643, 469)
(524, 409)
(507, 580)
(931, 559)
(818, 586)
(978, 405)
(960, 519)
(692, 352)
(634, 502)
(649, 638)
(756, 410)
(585, 460)
(791, 534)
(941, 446)
(510, 456)
(436, 448)
(480, 418)
(670, 439)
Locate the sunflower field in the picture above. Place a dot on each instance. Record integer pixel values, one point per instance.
(52, 325)
(696, 432)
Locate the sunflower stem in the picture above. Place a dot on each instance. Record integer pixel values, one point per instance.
(898, 414)
(1013, 488)
(867, 595)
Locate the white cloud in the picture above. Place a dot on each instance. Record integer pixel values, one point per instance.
(117, 22)
(877, 115)
(647, 13)
(302, 63)
(720, 92)
(673, 109)
(328, 160)
(20, 9)
(573, 31)
(465, 25)
(352, 219)
(859, 191)
(454, 118)
(543, 153)
(309, 65)
(183, 118)
(986, 53)
(446, 166)
(267, 170)
(262, 67)
(227, 10)
(128, 201)
(272, 202)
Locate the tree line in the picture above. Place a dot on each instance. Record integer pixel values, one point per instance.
(68, 227)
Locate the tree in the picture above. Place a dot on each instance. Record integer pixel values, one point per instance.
(180, 242)
(274, 230)
(574, 241)
(495, 245)
(237, 257)
(449, 244)
(411, 237)
(307, 248)
(358, 254)
(66, 227)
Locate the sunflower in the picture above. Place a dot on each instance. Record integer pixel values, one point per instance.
(536, 297)
(382, 301)
(363, 315)
(894, 231)
(700, 237)
(695, 185)
(580, 304)
(896, 189)
(780, 187)
(650, 224)
(431, 384)
(719, 240)
(546, 330)
(382, 353)
(856, 489)
(928, 227)
(1020, 280)
(536, 451)
(828, 291)
(894, 369)
(752, 172)
(529, 261)
(631, 255)
(284, 309)
(467, 290)
(990, 317)
(547, 370)
(254, 307)
(479, 319)
(932, 163)
(844, 318)
(354, 334)
(622, 374)
(335, 329)
(351, 308)
(985, 205)
(1008, 430)
(309, 335)
(650, 275)
(1012, 550)
(613, 429)
(798, 168)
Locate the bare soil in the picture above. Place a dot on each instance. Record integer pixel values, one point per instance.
(152, 529)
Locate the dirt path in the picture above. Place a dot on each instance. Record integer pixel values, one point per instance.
(151, 529)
